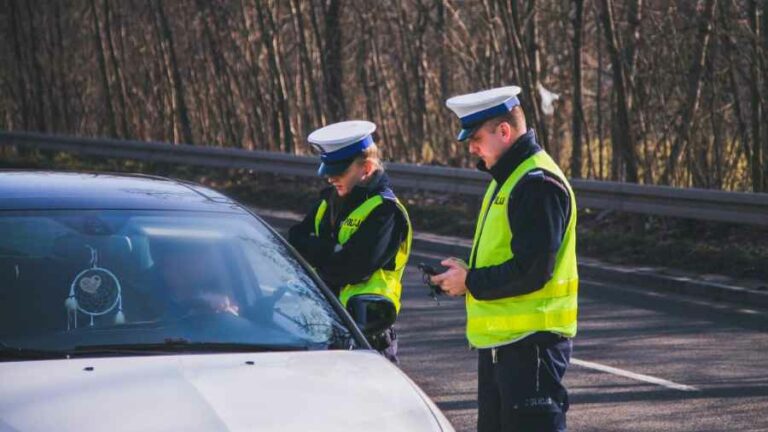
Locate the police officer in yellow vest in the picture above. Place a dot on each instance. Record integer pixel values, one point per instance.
(358, 235)
(521, 280)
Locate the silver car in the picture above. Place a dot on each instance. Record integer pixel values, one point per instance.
(143, 303)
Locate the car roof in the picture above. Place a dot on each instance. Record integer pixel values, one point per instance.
(39, 190)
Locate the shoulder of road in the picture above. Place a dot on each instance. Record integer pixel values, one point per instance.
(705, 286)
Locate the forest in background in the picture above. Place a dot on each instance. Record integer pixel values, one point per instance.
(666, 92)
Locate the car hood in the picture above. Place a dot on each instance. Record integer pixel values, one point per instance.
(297, 391)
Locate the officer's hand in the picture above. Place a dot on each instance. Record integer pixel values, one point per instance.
(453, 280)
(457, 261)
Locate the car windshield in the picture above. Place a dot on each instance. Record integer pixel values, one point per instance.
(154, 281)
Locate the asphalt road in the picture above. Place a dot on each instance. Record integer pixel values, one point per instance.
(644, 361)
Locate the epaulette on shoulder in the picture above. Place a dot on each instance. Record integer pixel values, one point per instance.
(387, 194)
(537, 173)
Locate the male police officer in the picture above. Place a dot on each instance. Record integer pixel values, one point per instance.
(521, 280)
(358, 235)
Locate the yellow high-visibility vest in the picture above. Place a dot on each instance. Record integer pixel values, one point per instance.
(552, 308)
(382, 282)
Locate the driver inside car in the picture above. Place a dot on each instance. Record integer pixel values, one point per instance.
(190, 277)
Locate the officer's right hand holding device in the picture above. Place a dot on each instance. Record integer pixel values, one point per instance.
(427, 272)
(452, 281)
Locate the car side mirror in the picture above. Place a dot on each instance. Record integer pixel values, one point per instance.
(372, 313)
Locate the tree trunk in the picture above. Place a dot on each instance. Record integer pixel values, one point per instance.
(309, 79)
(578, 110)
(764, 121)
(599, 96)
(694, 90)
(253, 77)
(270, 41)
(21, 83)
(624, 132)
(221, 89)
(528, 99)
(54, 102)
(413, 89)
(37, 72)
(634, 18)
(718, 145)
(122, 92)
(735, 89)
(59, 65)
(103, 71)
(756, 89)
(333, 73)
(534, 68)
(361, 57)
(303, 76)
(442, 32)
(184, 134)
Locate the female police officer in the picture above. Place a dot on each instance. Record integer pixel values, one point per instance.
(358, 235)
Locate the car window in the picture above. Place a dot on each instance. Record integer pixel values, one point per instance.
(74, 279)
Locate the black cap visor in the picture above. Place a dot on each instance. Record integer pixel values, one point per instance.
(330, 169)
(467, 133)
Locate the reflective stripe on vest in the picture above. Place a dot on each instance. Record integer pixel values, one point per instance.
(553, 307)
(382, 282)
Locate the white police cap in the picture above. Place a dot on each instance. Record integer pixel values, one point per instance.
(339, 144)
(473, 109)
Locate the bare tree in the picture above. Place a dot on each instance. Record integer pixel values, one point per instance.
(118, 71)
(21, 84)
(624, 137)
(578, 111)
(183, 130)
(282, 121)
(333, 70)
(307, 68)
(757, 100)
(684, 101)
(694, 88)
(764, 120)
(103, 70)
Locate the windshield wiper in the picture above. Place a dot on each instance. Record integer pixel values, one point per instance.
(18, 353)
(176, 345)
(169, 346)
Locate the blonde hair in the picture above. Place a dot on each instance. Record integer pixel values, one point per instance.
(371, 154)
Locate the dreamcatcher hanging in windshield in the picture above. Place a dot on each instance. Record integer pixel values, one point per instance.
(94, 292)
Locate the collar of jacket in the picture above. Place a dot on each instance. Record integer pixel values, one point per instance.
(378, 182)
(525, 147)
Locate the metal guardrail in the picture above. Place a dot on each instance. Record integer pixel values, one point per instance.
(700, 204)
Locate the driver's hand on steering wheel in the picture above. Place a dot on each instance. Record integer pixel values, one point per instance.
(219, 303)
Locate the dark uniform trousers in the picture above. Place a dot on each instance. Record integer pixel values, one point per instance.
(519, 386)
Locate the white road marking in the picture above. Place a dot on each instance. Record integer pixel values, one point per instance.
(749, 311)
(632, 375)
